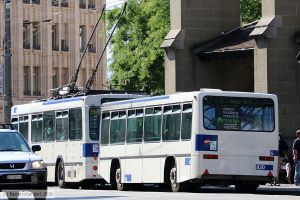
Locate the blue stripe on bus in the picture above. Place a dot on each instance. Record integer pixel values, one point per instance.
(51, 102)
(139, 100)
(206, 142)
(264, 167)
(90, 149)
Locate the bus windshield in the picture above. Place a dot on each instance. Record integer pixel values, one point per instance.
(238, 114)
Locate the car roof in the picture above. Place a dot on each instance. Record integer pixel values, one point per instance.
(8, 130)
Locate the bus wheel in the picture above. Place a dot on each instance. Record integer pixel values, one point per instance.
(118, 177)
(175, 186)
(60, 175)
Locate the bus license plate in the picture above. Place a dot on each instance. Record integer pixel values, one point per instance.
(14, 177)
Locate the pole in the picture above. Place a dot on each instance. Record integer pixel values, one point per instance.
(7, 63)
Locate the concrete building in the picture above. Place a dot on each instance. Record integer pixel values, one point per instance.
(208, 48)
(48, 38)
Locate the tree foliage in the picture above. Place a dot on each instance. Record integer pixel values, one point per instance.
(250, 10)
(138, 60)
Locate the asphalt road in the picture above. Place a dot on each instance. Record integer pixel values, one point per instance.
(282, 192)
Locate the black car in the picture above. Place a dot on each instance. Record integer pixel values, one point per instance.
(20, 168)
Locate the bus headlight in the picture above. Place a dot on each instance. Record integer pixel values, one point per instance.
(38, 165)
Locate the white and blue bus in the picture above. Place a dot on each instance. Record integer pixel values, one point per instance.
(191, 138)
(68, 131)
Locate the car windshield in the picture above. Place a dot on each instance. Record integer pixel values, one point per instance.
(10, 141)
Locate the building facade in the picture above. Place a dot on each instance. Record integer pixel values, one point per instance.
(48, 38)
(208, 48)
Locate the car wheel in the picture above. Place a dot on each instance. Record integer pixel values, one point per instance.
(60, 175)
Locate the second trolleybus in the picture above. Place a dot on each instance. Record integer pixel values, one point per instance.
(192, 138)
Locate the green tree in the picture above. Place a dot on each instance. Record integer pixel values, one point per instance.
(138, 60)
(250, 10)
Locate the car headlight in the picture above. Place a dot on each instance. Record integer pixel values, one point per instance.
(38, 165)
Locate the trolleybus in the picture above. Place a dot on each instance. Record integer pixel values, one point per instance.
(68, 131)
(207, 137)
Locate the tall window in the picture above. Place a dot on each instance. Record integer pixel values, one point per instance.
(65, 37)
(152, 130)
(92, 44)
(49, 126)
(37, 81)
(82, 37)
(26, 35)
(171, 123)
(64, 3)
(36, 35)
(62, 125)
(105, 128)
(55, 77)
(75, 124)
(117, 127)
(37, 128)
(94, 121)
(134, 126)
(91, 4)
(82, 4)
(55, 2)
(38, 2)
(23, 129)
(27, 81)
(55, 38)
(186, 126)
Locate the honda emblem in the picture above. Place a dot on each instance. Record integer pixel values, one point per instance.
(12, 166)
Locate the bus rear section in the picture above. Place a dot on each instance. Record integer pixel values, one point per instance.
(237, 141)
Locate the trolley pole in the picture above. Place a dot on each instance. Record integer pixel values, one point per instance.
(7, 63)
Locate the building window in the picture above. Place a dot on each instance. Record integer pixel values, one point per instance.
(55, 38)
(55, 77)
(65, 37)
(26, 1)
(55, 2)
(26, 34)
(64, 3)
(82, 4)
(64, 76)
(91, 4)
(36, 32)
(27, 81)
(38, 2)
(92, 44)
(37, 81)
(82, 37)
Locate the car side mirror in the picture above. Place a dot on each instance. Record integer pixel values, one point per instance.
(36, 148)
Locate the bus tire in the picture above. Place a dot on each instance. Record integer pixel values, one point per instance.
(175, 186)
(118, 179)
(60, 175)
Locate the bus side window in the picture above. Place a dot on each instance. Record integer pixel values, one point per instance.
(37, 128)
(15, 123)
(135, 126)
(75, 124)
(171, 123)
(118, 127)
(49, 126)
(62, 125)
(105, 128)
(152, 130)
(23, 129)
(186, 126)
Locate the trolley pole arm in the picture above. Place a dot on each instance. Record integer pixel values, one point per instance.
(92, 78)
(74, 78)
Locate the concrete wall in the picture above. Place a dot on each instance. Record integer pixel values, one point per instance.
(199, 20)
(276, 69)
